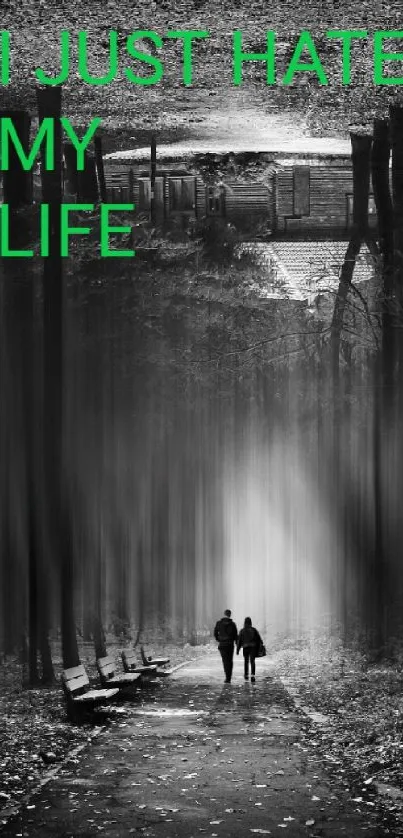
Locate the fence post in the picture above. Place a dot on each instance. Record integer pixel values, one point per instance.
(99, 162)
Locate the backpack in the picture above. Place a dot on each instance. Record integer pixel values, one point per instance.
(225, 631)
(249, 636)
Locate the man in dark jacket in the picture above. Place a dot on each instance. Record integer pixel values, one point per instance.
(226, 633)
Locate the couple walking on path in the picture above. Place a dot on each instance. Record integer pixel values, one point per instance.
(249, 639)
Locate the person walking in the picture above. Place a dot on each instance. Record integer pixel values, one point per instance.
(250, 640)
(226, 634)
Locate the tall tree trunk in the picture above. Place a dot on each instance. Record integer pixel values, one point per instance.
(10, 609)
(87, 180)
(98, 634)
(153, 172)
(386, 362)
(32, 587)
(380, 183)
(360, 155)
(70, 170)
(22, 342)
(17, 183)
(59, 520)
(99, 162)
(97, 628)
(8, 569)
(17, 190)
(396, 130)
(140, 559)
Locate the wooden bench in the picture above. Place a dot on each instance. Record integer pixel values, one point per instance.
(130, 665)
(152, 661)
(109, 677)
(80, 698)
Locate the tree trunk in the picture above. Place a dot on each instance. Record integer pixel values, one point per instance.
(59, 523)
(385, 372)
(396, 130)
(360, 157)
(153, 172)
(346, 278)
(87, 181)
(21, 337)
(8, 585)
(380, 184)
(140, 591)
(48, 675)
(98, 633)
(23, 360)
(8, 562)
(87, 606)
(32, 589)
(17, 183)
(70, 171)
(99, 162)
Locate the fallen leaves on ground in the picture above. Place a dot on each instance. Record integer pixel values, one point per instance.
(35, 733)
(361, 741)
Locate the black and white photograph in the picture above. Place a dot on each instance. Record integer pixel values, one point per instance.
(201, 419)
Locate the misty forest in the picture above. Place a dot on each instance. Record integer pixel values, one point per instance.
(214, 423)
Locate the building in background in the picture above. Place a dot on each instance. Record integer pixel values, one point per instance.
(293, 196)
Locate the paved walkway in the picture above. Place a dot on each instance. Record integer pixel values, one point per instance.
(194, 756)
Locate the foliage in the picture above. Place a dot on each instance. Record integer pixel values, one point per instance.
(218, 239)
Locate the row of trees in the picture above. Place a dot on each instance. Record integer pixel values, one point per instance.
(377, 158)
(37, 525)
(130, 510)
(75, 535)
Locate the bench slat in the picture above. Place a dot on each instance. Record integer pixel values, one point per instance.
(73, 672)
(96, 695)
(77, 684)
(124, 679)
(108, 660)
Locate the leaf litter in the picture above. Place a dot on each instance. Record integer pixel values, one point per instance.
(36, 736)
(361, 739)
(331, 742)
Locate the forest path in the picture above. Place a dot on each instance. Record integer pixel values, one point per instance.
(194, 756)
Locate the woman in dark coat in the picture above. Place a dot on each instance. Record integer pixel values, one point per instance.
(250, 640)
